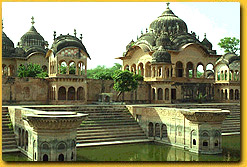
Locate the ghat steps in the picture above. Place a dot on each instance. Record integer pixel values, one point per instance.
(104, 125)
(8, 137)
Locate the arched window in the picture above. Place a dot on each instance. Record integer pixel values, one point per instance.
(62, 93)
(126, 67)
(61, 146)
(140, 69)
(72, 156)
(80, 94)
(133, 69)
(150, 129)
(189, 70)
(71, 93)
(160, 94)
(45, 146)
(157, 130)
(62, 67)
(148, 69)
(26, 140)
(200, 70)
(179, 69)
(80, 68)
(226, 94)
(72, 67)
(164, 131)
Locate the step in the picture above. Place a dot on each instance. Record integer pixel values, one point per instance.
(79, 131)
(102, 136)
(112, 142)
(102, 133)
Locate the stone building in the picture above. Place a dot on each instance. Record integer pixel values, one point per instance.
(176, 66)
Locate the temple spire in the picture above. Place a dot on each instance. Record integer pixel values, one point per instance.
(168, 3)
(32, 21)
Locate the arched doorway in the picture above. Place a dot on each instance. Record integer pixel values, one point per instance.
(160, 94)
(150, 129)
(62, 93)
(179, 69)
(190, 70)
(45, 157)
(80, 94)
(61, 157)
(71, 93)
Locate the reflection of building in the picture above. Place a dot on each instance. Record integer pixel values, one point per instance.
(176, 65)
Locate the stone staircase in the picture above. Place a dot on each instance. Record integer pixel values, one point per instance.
(8, 137)
(105, 125)
(231, 125)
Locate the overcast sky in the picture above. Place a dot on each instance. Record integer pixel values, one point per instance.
(107, 27)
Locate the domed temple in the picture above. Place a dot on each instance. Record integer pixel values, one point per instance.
(177, 66)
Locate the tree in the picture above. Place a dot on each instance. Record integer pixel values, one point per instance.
(124, 81)
(230, 45)
(31, 70)
(102, 72)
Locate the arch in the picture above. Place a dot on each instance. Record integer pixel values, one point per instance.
(72, 156)
(226, 94)
(218, 76)
(19, 143)
(80, 68)
(157, 130)
(154, 72)
(44, 68)
(61, 146)
(62, 93)
(210, 67)
(190, 70)
(148, 69)
(45, 157)
(231, 94)
(71, 93)
(160, 94)
(61, 157)
(126, 67)
(11, 70)
(193, 135)
(221, 94)
(80, 94)
(45, 146)
(200, 70)
(166, 94)
(164, 131)
(72, 67)
(133, 68)
(179, 69)
(22, 138)
(26, 140)
(63, 67)
(140, 69)
(236, 94)
(153, 93)
(4, 70)
(150, 129)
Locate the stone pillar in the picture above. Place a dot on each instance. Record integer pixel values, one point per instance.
(195, 73)
(204, 71)
(156, 93)
(173, 71)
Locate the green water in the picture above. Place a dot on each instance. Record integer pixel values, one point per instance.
(149, 152)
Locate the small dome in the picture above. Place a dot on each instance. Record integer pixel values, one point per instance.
(206, 43)
(161, 56)
(7, 45)
(163, 40)
(64, 41)
(32, 39)
(168, 22)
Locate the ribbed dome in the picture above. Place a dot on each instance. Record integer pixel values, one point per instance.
(64, 41)
(32, 39)
(7, 45)
(161, 56)
(168, 22)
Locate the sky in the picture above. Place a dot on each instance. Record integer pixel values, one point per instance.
(107, 27)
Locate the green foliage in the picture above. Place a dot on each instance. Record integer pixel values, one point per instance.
(138, 77)
(31, 70)
(102, 72)
(124, 81)
(10, 125)
(72, 69)
(230, 45)
(199, 74)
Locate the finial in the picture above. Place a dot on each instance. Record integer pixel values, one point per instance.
(141, 32)
(168, 3)
(137, 37)
(80, 36)
(205, 35)
(54, 34)
(32, 20)
(146, 30)
(75, 32)
(2, 24)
